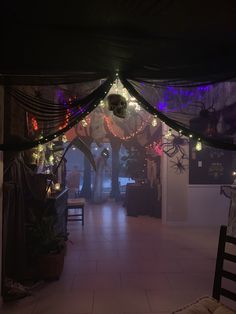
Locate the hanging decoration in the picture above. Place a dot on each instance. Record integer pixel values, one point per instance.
(55, 118)
(198, 146)
(84, 123)
(178, 165)
(207, 119)
(117, 104)
(179, 118)
(154, 122)
(111, 128)
(174, 144)
(168, 134)
(67, 119)
(34, 124)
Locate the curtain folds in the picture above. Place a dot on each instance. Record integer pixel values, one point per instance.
(206, 113)
(47, 118)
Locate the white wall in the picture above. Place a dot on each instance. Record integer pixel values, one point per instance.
(174, 191)
(175, 201)
(193, 205)
(206, 206)
(1, 179)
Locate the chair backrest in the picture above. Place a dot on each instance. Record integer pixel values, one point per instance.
(220, 272)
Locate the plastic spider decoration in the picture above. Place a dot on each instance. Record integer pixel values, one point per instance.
(178, 165)
(174, 145)
(207, 119)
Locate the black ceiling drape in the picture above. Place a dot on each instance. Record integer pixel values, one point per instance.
(164, 39)
(161, 43)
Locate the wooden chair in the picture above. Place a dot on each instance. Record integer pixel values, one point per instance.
(76, 204)
(213, 304)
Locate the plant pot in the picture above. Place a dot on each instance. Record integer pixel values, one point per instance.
(50, 266)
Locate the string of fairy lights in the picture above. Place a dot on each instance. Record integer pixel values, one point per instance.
(157, 114)
(90, 103)
(132, 101)
(132, 104)
(124, 138)
(135, 100)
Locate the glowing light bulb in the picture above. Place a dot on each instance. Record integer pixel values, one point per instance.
(234, 173)
(137, 108)
(40, 148)
(84, 123)
(64, 139)
(73, 148)
(168, 134)
(154, 122)
(51, 159)
(198, 146)
(102, 103)
(57, 186)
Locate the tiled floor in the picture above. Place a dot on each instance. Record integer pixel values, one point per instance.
(126, 265)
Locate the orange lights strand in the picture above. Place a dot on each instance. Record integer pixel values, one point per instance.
(66, 120)
(125, 138)
(34, 124)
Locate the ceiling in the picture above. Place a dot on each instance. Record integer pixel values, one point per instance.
(171, 39)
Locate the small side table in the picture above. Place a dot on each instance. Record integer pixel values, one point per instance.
(141, 199)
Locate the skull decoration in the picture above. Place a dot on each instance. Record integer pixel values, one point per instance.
(117, 104)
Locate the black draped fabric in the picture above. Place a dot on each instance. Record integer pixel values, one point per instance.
(158, 47)
(204, 112)
(52, 110)
(163, 39)
(20, 189)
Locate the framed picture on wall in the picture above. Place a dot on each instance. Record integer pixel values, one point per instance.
(210, 165)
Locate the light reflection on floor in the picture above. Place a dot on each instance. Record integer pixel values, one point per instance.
(127, 265)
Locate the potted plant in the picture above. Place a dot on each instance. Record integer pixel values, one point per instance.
(46, 246)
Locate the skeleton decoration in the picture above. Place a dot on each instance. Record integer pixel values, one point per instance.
(117, 104)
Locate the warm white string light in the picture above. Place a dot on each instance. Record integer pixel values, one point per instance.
(84, 123)
(198, 146)
(154, 122)
(168, 134)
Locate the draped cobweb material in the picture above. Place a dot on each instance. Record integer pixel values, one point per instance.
(204, 111)
(49, 111)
